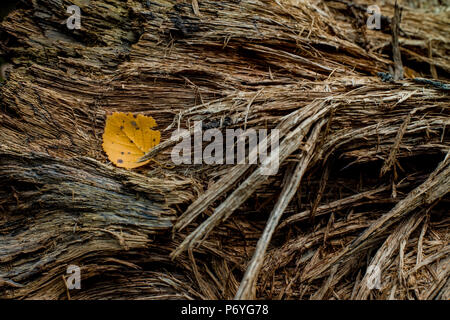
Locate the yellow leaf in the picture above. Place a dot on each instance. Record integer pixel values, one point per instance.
(128, 137)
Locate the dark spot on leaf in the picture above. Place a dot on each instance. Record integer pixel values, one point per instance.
(134, 116)
(119, 161)
(122, 152)
(121, 127)
(137, 128)
(133, 123)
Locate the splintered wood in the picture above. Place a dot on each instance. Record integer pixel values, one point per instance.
(358, 208)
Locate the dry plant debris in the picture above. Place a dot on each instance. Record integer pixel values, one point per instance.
(364, 156)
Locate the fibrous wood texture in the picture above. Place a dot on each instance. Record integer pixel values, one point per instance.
(364, 158)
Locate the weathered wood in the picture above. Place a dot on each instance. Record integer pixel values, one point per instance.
(189, 231)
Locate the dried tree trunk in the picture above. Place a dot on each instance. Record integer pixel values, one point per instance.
(165, 231)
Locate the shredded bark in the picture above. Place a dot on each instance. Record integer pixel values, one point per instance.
(310, 69)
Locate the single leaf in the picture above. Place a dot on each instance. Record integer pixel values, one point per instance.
(127, 137)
